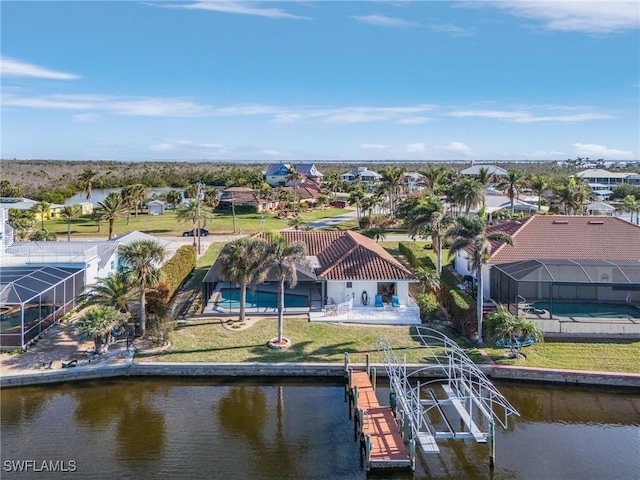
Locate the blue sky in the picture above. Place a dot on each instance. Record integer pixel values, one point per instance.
(328, 80)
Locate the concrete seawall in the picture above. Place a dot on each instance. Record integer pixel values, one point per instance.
(309, 370)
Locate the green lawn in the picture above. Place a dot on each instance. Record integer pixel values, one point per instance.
(168, 224)
(598, 355)
(209, 341)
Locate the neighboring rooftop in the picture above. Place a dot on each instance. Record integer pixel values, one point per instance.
(568, 237)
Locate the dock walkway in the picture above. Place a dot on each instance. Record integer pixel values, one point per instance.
(379, 431)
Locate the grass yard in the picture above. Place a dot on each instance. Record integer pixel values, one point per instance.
(169, 225)
(209, 341)
(597, 355)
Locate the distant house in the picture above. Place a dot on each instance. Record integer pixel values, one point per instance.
(600, 208)
(276, 174)
(361, 175)
(306, 190)
(474, 170)
(608, 179)
(156, 207)
(17, 203)
(240, 196)
(86, 208)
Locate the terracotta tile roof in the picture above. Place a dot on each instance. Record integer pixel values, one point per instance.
(346, 255)
(568, 237)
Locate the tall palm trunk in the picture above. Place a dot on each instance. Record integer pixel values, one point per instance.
(111, 220)
(243, 300)
(281, 310)
(479, 300)
(143, 310)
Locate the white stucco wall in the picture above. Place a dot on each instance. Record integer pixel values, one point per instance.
(462, 265)
(338, 291)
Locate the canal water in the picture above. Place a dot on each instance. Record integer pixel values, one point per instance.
(294, 429)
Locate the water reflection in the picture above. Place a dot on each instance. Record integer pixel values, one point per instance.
(186, 428)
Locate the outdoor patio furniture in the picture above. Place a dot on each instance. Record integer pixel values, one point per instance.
(395, 301)
(379, 303)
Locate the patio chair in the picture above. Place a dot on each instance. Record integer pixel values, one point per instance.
(379, 303)
(395, 301)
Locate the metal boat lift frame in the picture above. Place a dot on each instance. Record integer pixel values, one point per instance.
(474, 400)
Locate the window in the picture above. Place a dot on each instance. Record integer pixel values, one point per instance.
(349, 284)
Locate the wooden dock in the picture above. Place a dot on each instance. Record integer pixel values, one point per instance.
(380, 434)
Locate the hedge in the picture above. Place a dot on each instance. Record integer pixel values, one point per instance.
(429, 306)
(173, 274)
(460, 305)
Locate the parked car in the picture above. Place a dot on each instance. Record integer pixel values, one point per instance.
(189, 233)
(339, 203)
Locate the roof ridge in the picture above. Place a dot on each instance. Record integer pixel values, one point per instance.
(336, 262)
(518, 230)
(373, 246)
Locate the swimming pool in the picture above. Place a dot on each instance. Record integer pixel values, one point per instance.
(230, 299)
(594, 310)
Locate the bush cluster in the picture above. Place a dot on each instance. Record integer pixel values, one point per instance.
(174, 273)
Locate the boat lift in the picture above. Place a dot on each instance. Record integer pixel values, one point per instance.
(465, 406)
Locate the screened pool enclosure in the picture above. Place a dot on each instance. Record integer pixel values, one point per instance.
(32, 298)
(553, 284)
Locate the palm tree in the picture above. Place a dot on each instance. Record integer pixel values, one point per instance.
(377, 233)
(114, 290)
(631, 205)
(111, 209)
(41, 209)
(43, 235)
(243, 261)
(467, 193)
(296, 222)
(390, 182)
(294, 177)
(87, 178)
(70, 212)
(22, 226)
(174, 197)
(141, 260)
(284, 258)
(472, 232)
(428, 278)
(539, 184)
(435, 178)
(503, 325)
(357, 195)
(197, 213)
(485, 178)
(430, 219)
(512, 183)
(98, 323)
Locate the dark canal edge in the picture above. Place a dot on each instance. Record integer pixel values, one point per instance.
(308, 370)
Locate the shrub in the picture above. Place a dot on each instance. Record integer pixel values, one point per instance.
(174, 273)
(462, 309)
(428, 306)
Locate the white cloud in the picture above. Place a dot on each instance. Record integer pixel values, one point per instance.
(416, 148)
(162, 147)
(241, 8)
(457, 147)
(384, 21)
(413, 120)
(600, 151)
(577, 16)
(452, 30)
(528, 117)
(10, 67)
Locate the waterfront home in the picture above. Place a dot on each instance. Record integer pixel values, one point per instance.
(361, 175)
(245, 196)
(563, 261)
(474, 170)
(608, 179)
(344, 268)
(276, 174)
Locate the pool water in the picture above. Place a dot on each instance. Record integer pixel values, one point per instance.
(595, 310)
(230, 298)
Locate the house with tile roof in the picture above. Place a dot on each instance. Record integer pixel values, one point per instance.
(566, 259)
(342, 266)
(277, 173)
